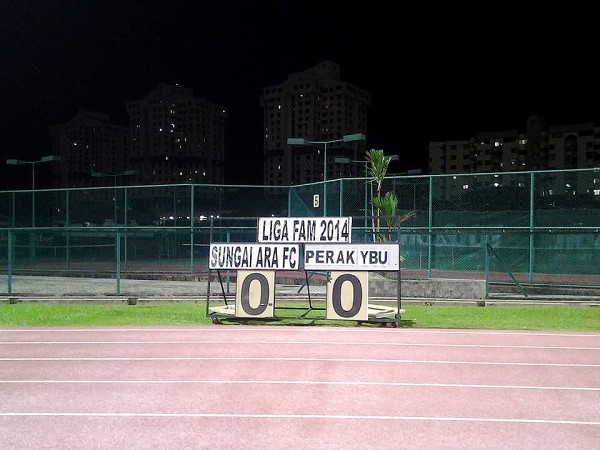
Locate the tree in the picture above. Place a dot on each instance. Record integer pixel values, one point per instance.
(386, 205)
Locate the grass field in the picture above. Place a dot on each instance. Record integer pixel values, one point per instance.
(551, 318)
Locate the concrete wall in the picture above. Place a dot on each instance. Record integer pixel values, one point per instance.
(430, 289)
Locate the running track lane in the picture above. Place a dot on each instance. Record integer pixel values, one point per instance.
(298, 387)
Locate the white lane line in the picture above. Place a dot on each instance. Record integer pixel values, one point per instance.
(302, 416)
(308, 383)
(253, 342)
(284, 329)
(351, 360)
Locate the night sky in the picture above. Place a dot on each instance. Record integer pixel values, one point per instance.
(433, 74)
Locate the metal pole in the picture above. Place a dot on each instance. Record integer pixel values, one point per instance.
(10, 260)
(191, 229)
(115, 199)
(33, 195)
(32, 235)
(67, 237)
(366, 198)
(429, 230)
(13, 211)
(341, 195)
(125, 225)
(325, 180)
(531, 227)
(118, 259)
(487, 264)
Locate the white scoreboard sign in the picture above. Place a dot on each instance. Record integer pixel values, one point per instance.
(253, 256)
(305, 229)
(351, 257)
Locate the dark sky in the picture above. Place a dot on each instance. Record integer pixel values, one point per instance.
(433, 74)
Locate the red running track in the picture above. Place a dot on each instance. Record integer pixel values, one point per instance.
(277, 387)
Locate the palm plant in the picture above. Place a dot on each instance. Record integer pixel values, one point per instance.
(387, 205)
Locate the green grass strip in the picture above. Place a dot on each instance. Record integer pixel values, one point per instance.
(551, 318)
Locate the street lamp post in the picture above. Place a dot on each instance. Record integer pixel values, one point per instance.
(366, 163)
(20, 162)
(305, 142)
(114, 176)
(117, 234)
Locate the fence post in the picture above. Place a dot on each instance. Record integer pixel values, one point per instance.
(67, 233)
(429, 230)
(10, 261)
(192, 229)
(487, 264)
(125, 225)
(118, 259)
(210, 239)
(531, 225)
(341, 195)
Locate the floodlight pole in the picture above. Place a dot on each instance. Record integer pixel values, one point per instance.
(114, 176)
(20, 162)
(305, 142)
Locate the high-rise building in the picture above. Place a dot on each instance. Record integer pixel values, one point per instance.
(88, 143)
(540, 147)
(176, 137)
(315, 105)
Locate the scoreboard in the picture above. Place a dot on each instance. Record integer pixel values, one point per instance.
(304, 243)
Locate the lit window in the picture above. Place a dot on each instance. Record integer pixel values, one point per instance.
(465, 186)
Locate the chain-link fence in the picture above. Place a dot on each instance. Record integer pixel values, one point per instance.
(536, 228)
(539, 228)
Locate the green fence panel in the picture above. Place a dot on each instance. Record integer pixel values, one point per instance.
(542, 227)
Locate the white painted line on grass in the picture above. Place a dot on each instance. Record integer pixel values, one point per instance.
(308, 383)
(351, 360)
(303, 416)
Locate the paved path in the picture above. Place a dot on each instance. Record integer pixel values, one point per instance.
(80, 286)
